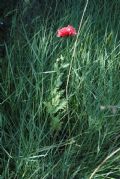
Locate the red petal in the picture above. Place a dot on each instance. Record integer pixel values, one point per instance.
(66, 31)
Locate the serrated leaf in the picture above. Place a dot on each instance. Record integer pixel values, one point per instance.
(55, 123)
(61, 106)
(65, 65)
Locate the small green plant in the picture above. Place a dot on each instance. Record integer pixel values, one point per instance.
(56, 103)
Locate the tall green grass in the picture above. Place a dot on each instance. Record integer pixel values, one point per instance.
(60, 98)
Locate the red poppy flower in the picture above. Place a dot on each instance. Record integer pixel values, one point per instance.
(66, 31)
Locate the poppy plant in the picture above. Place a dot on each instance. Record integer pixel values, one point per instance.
(66, 31)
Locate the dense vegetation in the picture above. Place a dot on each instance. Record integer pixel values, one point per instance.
(60, 97)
